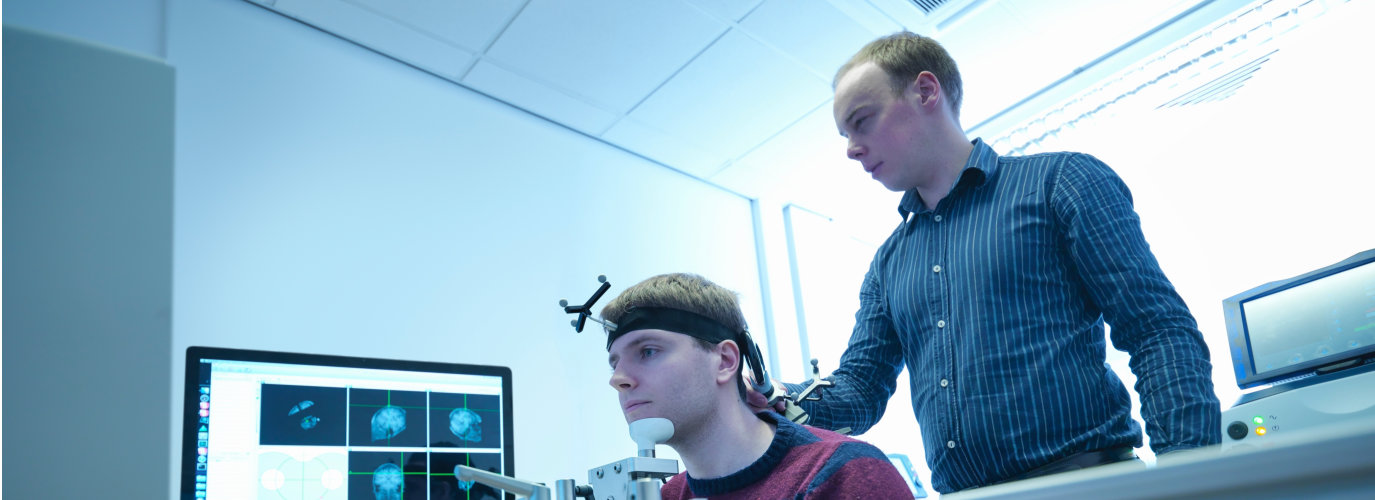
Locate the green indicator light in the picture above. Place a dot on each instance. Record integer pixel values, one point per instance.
(1258, 420)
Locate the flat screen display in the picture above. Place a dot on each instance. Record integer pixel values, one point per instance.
(1315, 320)
(271, 425)
(1317, 323)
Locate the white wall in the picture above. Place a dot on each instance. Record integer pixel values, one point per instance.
(331, 200)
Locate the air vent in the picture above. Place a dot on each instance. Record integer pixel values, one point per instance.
(927, 6)
(1221, 87)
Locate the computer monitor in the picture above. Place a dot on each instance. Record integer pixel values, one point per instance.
(1303, 326)
(261, 424)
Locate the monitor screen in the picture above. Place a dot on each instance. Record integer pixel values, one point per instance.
(278, 425)
(1296, 327)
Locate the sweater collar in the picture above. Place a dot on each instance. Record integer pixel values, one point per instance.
(787, 436)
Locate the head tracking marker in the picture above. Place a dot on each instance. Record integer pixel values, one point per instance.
(584, 311)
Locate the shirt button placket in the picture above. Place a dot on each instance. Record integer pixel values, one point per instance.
(940, 324)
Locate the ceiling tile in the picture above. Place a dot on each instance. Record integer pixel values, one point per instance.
(612, 52)
(471, 25)
(1015, 37)
(870, 17)
(904, 12)
(1076, 42)
(806, 165)
(538, 98)
(673, 150)
(734, 96)
(381, 34)
(813, 32)
(734, 92)
(999, 61)
(729, 10)
(776, 168)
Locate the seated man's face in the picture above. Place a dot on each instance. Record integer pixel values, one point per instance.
(664, 374)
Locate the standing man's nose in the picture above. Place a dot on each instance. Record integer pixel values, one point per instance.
(854, 151)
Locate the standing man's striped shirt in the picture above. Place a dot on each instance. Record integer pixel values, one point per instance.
(996, 302)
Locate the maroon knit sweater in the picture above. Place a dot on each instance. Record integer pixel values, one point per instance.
(802, 462)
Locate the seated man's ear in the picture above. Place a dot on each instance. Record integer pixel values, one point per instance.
(727, 358)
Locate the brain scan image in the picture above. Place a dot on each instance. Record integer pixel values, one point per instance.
(300, 406)
(464, 423)
(388, 482)
(388, 422)
(463, 485)
(308, 421)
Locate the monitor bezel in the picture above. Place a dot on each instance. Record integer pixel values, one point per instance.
(1238, 337)
(190, 420)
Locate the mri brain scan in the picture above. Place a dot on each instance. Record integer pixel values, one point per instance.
(308, 421)
(464, 423)
(463, 485)
(300, 406)
(388, 482)
(388, 422)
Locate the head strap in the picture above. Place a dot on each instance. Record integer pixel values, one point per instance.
(673, 320)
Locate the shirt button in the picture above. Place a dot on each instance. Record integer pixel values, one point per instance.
(940, 324)
(936, 269)
(936, 218)
(949, 444)
(945, 382)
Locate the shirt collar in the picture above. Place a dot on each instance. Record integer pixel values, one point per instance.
(982, 163)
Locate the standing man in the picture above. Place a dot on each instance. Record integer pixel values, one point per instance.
(676, 353)
(993, 291)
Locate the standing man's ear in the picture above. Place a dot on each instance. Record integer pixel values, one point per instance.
(925, 89)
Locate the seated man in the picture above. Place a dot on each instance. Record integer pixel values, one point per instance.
(676, 353)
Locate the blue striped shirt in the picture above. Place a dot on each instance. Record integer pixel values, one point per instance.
(996, 302)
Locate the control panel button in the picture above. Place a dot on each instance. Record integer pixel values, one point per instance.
(1237, 430)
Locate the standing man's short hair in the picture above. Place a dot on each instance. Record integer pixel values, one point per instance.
(904, 56)
(685, 292)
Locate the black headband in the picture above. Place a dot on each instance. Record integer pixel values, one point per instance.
(673, 320)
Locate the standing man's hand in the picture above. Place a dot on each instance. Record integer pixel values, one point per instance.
(756, 400)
